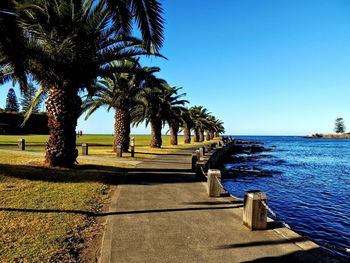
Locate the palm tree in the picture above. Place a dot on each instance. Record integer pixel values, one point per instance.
(173, 108)
(150, 110)
(187, 125)
(199, 116)
(218, 128)
(12, 45)
(209, 127)
(68, 45)
(120, 92)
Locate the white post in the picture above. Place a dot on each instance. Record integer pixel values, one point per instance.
(214, 188)
(254, 212)
(132, 147)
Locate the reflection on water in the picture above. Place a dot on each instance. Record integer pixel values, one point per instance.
(309, 187)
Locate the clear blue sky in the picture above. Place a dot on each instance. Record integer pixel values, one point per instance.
(263, 67)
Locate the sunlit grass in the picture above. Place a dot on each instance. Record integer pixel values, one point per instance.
(38, 222)
(45, 214)
(99, 145)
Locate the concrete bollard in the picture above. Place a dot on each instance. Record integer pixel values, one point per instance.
(198, 155)
(85, 149)
(194, 161)
(254, 212)
(119, 151)
(132, 147)
(201, 153)
(200, 165)
(214, 188)
(22, 144)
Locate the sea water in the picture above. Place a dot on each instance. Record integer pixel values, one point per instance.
(309, 187)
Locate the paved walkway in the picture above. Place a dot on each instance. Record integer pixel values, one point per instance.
(161, 214)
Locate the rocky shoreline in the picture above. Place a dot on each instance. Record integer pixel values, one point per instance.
(329, 136)
(242, 159)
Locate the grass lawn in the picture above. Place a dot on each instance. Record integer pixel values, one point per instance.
(49, 214)
(100, 144)
(46, 214)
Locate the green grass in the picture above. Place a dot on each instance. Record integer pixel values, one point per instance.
(45, 213)
(97, 143)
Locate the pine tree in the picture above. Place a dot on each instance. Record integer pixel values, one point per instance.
(11, 101)
(339, 125)
(26, 100)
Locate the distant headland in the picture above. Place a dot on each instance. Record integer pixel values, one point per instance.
(335, 136)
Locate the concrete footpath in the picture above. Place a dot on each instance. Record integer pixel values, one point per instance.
(159, 213)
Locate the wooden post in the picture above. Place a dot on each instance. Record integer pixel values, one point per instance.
(85, 149)
(22, 144)
(194, 161)
(214, 188)
(254, 212)
(119, 151)
(132, 147)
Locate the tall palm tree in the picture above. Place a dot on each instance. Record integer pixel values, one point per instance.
(12, 45)
(150, 110)
(187, 125)
(218, 128)
(173, 108)
(68, 45)
(199, 116)
(120, 92)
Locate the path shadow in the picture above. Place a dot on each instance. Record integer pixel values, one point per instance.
(133, 212)
(261, 243)
(160, 154)
(315, 255)
(98, 173)
(215, 202)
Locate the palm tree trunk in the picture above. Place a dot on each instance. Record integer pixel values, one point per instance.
(207, 136)
(216, 134)
(196, 135)
(156, 134)
(201, 135)
(187, 135)
(211, 135)
(121, 129)
(63, 108)
(174, 129)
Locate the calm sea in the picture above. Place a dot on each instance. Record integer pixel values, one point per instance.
(309, 187)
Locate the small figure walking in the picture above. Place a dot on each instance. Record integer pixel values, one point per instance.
(81, 133)
(78, 133)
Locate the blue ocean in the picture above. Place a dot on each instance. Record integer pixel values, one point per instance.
(308, 185)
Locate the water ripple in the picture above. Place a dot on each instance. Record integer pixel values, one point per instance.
(310, 186)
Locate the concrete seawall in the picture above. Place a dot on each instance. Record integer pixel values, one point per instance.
(160, 213)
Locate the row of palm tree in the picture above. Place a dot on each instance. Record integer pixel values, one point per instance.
(86, 47)
(138, 96)
(66, 46)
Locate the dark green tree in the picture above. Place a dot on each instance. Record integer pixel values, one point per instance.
(150, 109)
(339, 126)
(11, 101)
(120, 92)
(26, 100)
(66, 46)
